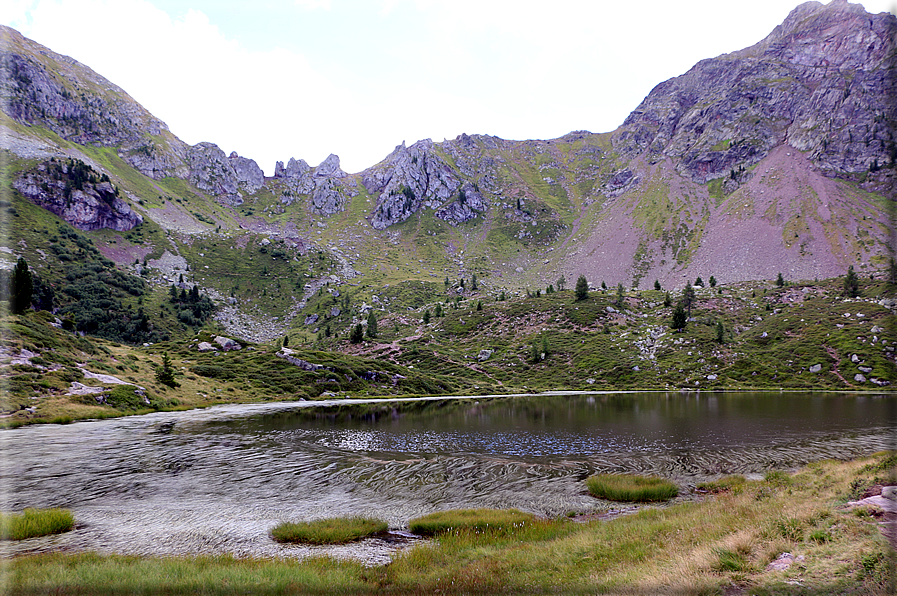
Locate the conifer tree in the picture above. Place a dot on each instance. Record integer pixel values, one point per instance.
(21, 287)
(582, 288)
(372, 325)
(851, 284)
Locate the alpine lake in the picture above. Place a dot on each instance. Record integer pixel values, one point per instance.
(215, 481)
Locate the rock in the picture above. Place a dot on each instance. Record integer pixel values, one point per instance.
(859, 378)
(335, 311)
(59, 187)
(287, 354)
(711, 377)
(590, 381)
(81, 106)
(250, 176)
(206, 347)
(414, 177)
(815, 368)
(226, 343)
(610, 309)
(854, 358)
(798, 84)
(865, 369)
(211, 171)
(783, 562)
(484, 355)
(620, 183)
(311, 319)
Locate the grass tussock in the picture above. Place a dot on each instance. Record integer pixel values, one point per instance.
(32, 523)
(334, 530)
(477, 520)
(631, 487)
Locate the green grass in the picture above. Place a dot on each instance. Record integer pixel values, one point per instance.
(477, 520)
(35, 522)
(631, 487)
(334, 530)
(693, 547)
(728, 483)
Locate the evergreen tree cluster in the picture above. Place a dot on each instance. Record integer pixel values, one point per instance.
(192, 307)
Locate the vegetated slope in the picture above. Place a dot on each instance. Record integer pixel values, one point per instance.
(769, 159)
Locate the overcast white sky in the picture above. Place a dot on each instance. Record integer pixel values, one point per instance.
(274, 79)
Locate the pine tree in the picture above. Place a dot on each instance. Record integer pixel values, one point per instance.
(165, 373)
(699, 282)
(479, 305)
(372, 325)
(473, 283)
(619, 300)
(712, 282)
(780, 281)
(21, 287)
(688, 297)
(720, 332)
(582, 288)
(667, 300)
(357, 335)
(427, 317)
(680, 319)
(286, 340)
(561, 282)
(851, 284)
(438, 311)
(657, 285)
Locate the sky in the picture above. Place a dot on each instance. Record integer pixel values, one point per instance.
(274, 79)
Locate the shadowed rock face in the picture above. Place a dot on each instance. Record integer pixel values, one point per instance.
(823, 82)
(93, 206)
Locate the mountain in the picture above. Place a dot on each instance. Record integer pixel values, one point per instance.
(776, 158)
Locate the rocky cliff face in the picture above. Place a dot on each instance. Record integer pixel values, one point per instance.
(823, 82)
(77, 194)
(41, 87)
(223, 177)
(414, 177)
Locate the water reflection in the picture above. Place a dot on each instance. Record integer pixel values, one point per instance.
(216, 480)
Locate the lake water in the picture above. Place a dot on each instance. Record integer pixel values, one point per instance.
(216, 480)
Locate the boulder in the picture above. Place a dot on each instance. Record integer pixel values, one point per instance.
(484, 355)
(227, 344)
(815, 368)
(206, 347)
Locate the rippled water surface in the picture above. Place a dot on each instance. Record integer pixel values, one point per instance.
(216, 480)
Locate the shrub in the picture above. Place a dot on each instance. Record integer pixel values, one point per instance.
(334, 530)
(482, 520)
(35, 522)
(631, 487)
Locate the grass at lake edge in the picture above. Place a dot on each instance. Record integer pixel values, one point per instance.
(334, 530)
(32, 523)
(711, 546)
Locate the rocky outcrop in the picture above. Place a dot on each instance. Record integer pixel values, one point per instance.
(76, 193)
(408, 179)
(221, 176)
(250, 176)
(467, 206)
(327, 184)
(823, 82)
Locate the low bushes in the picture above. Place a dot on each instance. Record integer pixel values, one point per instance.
(470, 519)
(334, 530)
(35, 522)
(630, 487)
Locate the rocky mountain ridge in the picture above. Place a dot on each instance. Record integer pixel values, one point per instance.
(772, 150)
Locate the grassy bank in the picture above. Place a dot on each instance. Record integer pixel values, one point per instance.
(719, 545)
(628, 487)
